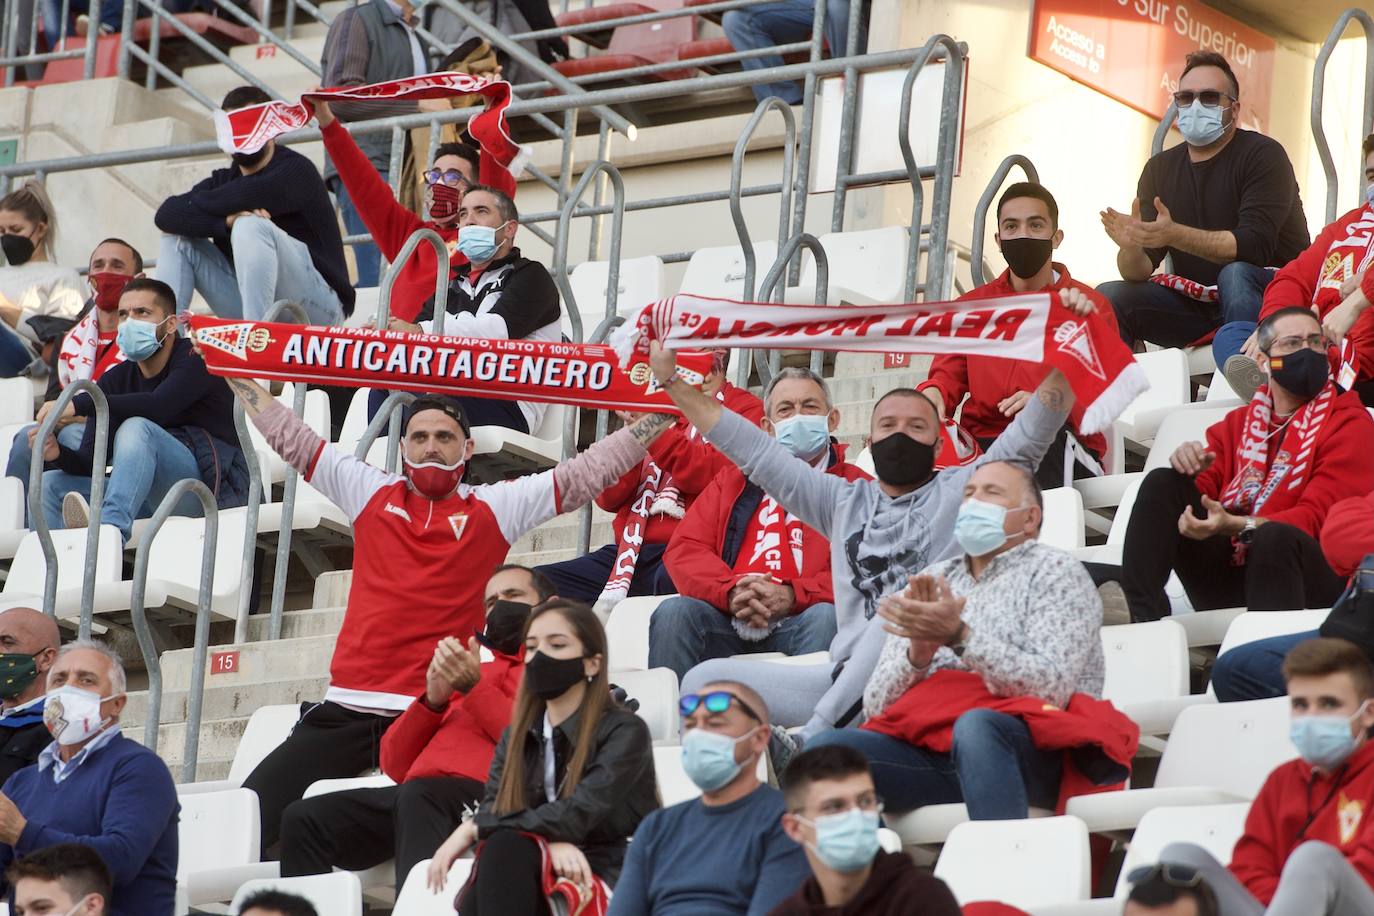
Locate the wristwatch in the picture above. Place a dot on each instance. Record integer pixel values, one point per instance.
(960, 643)
(1247, 534)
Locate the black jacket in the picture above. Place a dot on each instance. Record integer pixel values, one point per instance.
(617, 791)
(22, 740)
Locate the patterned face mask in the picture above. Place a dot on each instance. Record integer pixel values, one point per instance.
(17, 672)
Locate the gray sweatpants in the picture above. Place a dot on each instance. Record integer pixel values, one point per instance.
(1316, 881)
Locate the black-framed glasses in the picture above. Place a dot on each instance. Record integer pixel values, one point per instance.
(451, 177)
(715, 701)
(1173, 874)
(1210, 98)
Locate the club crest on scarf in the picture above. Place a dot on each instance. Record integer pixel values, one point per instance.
(235, 339)
(1072, 338)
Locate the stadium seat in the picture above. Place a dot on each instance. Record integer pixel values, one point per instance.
(267, 727)
(867, 267)
(1215, 828)
(641, 281)
(315, 415)
(1167, 372)
(656, 691)
(12, 529)
(415, 898)
(218, 844)
(16, 402)
(1147, 673)
(627, 633)
(337, 894)
(719, 272)
(635, 46)
(1218, 389)
(1035, 861)
(1063, 524)
(931, 824)
(383, 874)
(1251, 626)
(599, 38)
(518, 453)
(26, 577)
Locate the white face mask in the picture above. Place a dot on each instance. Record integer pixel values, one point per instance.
(72, 714)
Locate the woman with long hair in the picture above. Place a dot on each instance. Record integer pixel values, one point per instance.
(38, 299)
(572, 777)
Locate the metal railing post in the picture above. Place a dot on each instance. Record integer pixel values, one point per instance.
(1319, 96)
(808, 122)
(561, 242)
(196, 693)
(126, 29)
(393, 271)
(250, 537)
(844, 161)
(980, 212)
(770, 290)
(289, 485)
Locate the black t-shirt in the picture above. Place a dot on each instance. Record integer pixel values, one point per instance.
(1248, 189)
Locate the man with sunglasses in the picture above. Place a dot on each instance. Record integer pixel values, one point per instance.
(1169, 890)
(1223, 205)
(1238, 518)
(725, 852)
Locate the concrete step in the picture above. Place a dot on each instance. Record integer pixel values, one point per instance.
(219, 740)
(286, 77)
(266, 58)
(226, 702)
(314, 621)
(258, 662)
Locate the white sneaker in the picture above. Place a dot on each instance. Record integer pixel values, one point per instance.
(76, 512)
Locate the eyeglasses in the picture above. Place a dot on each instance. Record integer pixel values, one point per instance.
(1210, 98)
(451, 177)
(1295, 342)
(1180, 876)
(717, 701)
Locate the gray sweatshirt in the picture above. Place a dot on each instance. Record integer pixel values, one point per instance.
(876, 542)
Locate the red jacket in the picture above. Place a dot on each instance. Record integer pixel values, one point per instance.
(1341, 464)
(691, 461)
(1314, 279)
(988, 380)
(1348, 533)
(1292, 794)
(460, 740)
(701, 555)
(391, 224)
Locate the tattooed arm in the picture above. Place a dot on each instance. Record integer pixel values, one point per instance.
(255, 398)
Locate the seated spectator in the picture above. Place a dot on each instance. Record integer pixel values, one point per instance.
(170, 419)
(649, 501)
(1307, 846)
(832, 813)
(1327, 277)
(438, 752)
(261, 230)
(1169, 890)
(34, 290)
(95, 787)
(457, 167)
(1223, 204)
(63, 880)
(1023, 617)
(276, 903)
(741, 861)
(784, 22)
(425, 544)
(997, 389)
(28, 647)
(1238, 518)
(572, 778)
(88, 349)
(498, 293)
(753, 577)
(881, 532)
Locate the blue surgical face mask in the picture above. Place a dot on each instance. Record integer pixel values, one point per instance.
(138, 339)
(1324, 741)
(1369, 193)
(709, 758)
(1199, 124)
(805, 435)
(478, 243)
(980, 528)
(846, 842)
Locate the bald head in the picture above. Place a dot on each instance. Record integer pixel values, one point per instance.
(26, 631)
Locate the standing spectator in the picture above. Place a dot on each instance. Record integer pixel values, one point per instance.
(1238, 518)
(832, 812)
(95, 787)
(63, 880)
(32, 286)
(753, 577)
(256, 232)
(1169, 890)
(742, 862)
(572, 778)
(28, 647)
(170, 419)
(438, 753)
(509, 17)
(1308, 846)
(276, 903)
(649, 501)
(369, 43)
(1223, 204)
(997, 389)
(784, 22)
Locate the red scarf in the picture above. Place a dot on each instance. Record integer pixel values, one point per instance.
(650, 500)
(776, 549)
(1258, 478)
(84, 353)
(1190, 288)
(1031, 326)
(576, 900)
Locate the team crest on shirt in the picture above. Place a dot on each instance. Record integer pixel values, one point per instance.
(1349, 814)
(458, 521)
(1335, 270)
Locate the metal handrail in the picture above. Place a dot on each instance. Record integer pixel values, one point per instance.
(980, 212)
(1162, 131)
(770, 291)
(250, 527)
(289, 484)
(393, 272)
(390, 415)
(196, 694)
(1319, 97)
(36, 515)
(560, 254)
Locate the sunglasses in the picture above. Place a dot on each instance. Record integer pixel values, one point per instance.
(717, 701)
(1210, 98)
(1181, 876)
(451, 177)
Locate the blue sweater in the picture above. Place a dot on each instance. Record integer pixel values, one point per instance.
(698, 860)
(122, 803)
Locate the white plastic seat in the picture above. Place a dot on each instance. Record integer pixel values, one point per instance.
(542, 448)
(354, 422)
(1215, 828)
(27, 572)
(12, 528)
(1063, 524)
(1037, 861)
(1167, 372)
(1219, 389)
(627, 632)
(656, 691)
(16, 401)
(383, 874)
(316, 416)
(867, 267)
(640, 282)
(365, 300)
(337, 894)
(416, 899)
(267, 727)
(1256, 625)
(931, 825)
(1147, 673)
(218, 844)
(719, 272)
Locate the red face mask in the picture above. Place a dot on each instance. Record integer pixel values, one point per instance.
(108, 288)
(443, 202)
(433, 480)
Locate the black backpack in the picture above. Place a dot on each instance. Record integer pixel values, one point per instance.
(1352, 616)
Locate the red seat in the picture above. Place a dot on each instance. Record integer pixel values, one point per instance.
(706, 47)
(201, 24)
(600, 38)
(638, 46)
(73, 69)
(714, 17)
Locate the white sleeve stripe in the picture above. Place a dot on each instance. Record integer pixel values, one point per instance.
(519, 504)
(347, 481)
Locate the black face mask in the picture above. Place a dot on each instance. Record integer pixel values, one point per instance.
(547, 677)
(249, 160)
(505, 629)
(1303, 373)
(18, 249)
(17, 672)
(1026, 256)
(902, 461)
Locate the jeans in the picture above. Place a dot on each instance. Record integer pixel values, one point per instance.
(1231, 337)
(782, 23)
(1148, 311)
(365, 255)
(1317, 880)
(20, 452)
(15, 355)
(145, 463)
(584, 578)
(684, 631)
(993, 768)
(1254, 671)
(268, 265)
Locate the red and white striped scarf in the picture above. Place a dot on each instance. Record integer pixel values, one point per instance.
(1257, 480)
(80, 349)
(1190, 288)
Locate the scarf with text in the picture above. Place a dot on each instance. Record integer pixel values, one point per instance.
(774, 552)
(583, 375)
(1190, 288)
(1031, 326)
(81, 355)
